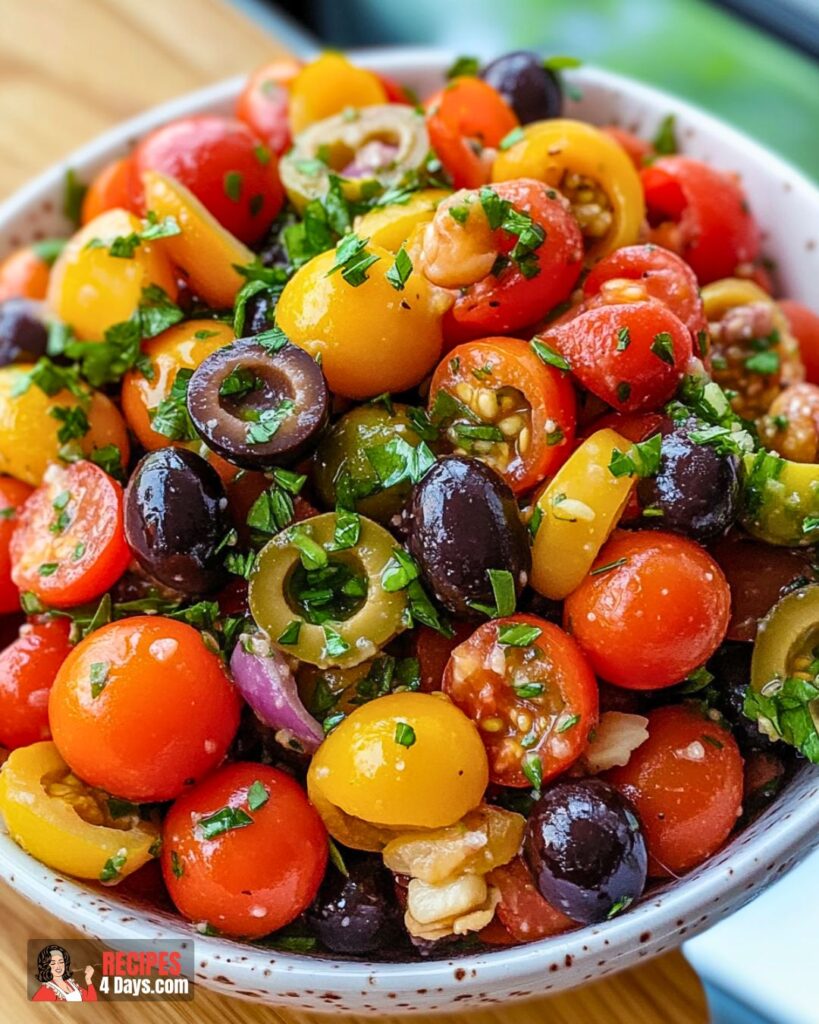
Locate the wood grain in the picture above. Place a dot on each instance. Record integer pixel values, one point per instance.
(68, 70)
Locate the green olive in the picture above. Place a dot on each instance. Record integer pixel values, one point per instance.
(780, 500)
(341, 469)
(324, 604)
(788, 632)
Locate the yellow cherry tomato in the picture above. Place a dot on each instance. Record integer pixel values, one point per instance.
(590, 169)
(579, 507)
(203, 249)
(92, 290)
(372, 337)
(67, 825)
(328, 85)
(183, 346)
(29, 428)
(390, 226)
(408, 759)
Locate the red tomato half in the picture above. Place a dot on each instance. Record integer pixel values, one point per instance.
(637, 149)
(244, 850)
(263, 103)
(499, 401)
(805, 328)
(223, 163)
(631, 355)
(433, 650)
(396, 93)
(69, 545)
(716, 232)
(28, 667)
(12, 495)
(522, 910)
(534, 705)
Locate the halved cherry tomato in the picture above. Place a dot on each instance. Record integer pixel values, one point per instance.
(327, 86)
(805, 328)
(28, 667)
(529, 689)
(23, 275)
(264, 101)
(499, 401)
(714, 230)
(433, 650)
(12, 495)
(686, 783)
(109, 190)
(221, 161)
(522, 910)
(467, 114)
(631, 355)
(142, 708)
(69, 544)
(637, 149)
(654, 607)
(244, 850)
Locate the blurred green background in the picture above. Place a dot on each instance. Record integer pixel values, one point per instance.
(689, 47)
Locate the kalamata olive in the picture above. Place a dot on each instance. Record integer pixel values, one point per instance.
(585, 849)
(731, 666)
(696, 488)
(462, 521)
(23, 333)
(357, 913)
(260, 311)
(176, 518)
(258, 408)
(530, 89)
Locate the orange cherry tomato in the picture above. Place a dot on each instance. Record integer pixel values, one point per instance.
(658, 612)
(522, 910)
(28, 667)
(805, 328)
(23, 275)
(244, 850)
(534, 704)
(467, 111)
(499, 401)
(142, 708)
(637, 149)
(109, 190)
(686, 782)
(69, 545)
(12, 495)
(264, 102)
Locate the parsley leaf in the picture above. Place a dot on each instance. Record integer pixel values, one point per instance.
(400, 271)
(269, 422)
(642, 459)
(787, 707)
(397, 461)
(665, 141)
(222, 821)
(517, 634)
(404, 734)
(548, 355)
(464, 66)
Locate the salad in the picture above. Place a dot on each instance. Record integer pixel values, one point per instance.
(407, 516)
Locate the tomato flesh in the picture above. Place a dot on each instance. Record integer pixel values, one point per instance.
(13, 493)
(28, 667)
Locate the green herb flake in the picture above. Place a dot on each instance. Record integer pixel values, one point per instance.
(257, 795)
(233, 183)
(239, 383)
(503, 591)
(527, 691)
(619, 906)
(623, 339)
(517, 634)
(98, 676)
(336, 859)
(48, 568)
(663, 347)
(763, 362)
(334, 644)
(224, 820)
(623, 391)
(399, 272)
(177, 867)
(399, 572)
(170, 418)
(568, 723)
(112, 869)
(513, 137)
(608, 567)
(548, 355)
(73, 195)
(404, 734)
(665, 141)
(532, 768)
(313, 555)
(290, 634)
(269, 422)
(642, 459)
(464, 66)
(347, 529)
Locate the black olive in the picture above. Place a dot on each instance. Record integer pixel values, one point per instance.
(176, 518)
(530, 89)
(356, 913)
(258, 408)
(23, 333)
(585, 848)
(731, 666)
(260, 311)
(462, 521)
(696, 489)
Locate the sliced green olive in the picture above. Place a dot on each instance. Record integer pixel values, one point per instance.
(780, 500)
(322, 601)
(369, 149)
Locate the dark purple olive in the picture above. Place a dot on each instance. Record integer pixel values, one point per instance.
(258, 408)
(696, 488)
(176, 519)
(357, 913)
(260, 311)
(585, 848)
(23, 332)
(530, 89)
(731, 667)
(462, 521)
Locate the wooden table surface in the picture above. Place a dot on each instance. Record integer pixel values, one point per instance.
(68, 70)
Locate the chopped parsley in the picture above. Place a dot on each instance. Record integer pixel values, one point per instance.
(347, 529)
(608, 567)
(511, 138)
(224, 820)
(171, 418)
(399, 572)
(334, 644)
(548, 355)
(112, 869)
(404, 734)
(98, 677)
(619, 906)
(177, 867)
(642, 459)
(399, 272)
(290, 634)
(233, 184)
(353, 260)
(518, 634)
(239, 383)
(663, 347)
(269, 422)
(623, 339)
(73, 194)
(257, 795)
(665, 141)
(464, 66)
(397, 461)
(532, 768)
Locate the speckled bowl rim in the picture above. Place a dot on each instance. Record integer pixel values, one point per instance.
(668, 914)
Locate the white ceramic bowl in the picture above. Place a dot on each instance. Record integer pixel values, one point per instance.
(787, 206)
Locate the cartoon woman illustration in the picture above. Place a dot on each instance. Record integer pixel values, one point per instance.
(58, 985)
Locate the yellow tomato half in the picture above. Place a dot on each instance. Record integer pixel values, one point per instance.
(390, 226)
(328, 85)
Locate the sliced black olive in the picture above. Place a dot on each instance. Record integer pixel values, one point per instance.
(462, 521)
(176, 518)
(260, 311)
(530, 89)
(731, 666)
(257, 408)
(23, 333)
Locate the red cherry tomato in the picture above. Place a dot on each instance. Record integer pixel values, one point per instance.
(109, 190)
(685, 781)
(13, 493)
(805, 328)
(715, 230)
(466, 112)
(522, 910)
(498, 392)
(534, 705)
(222, 162)
(396, 93)
(244, 850)
(632, 355)
(263, 103)
(658, 612)
(28, 667)
(23, 275)
(638, 150)
(658, 274)
(69, 545)
(433, 650)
